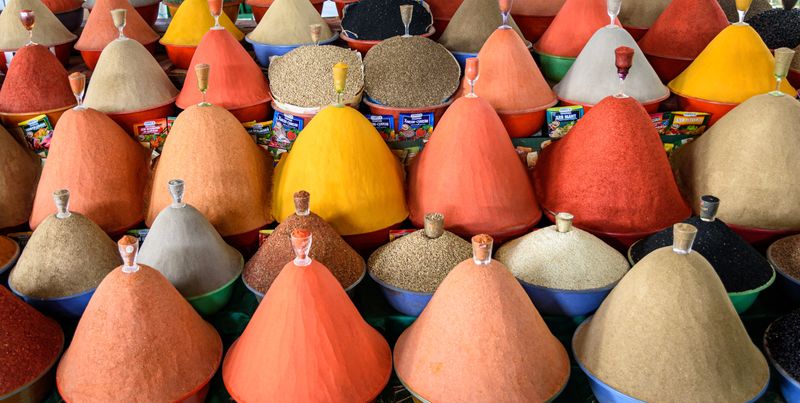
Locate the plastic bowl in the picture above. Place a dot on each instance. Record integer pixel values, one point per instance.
(532, 26)
(211, 302)
(12, 119)
(257, 112)
(668, 68)
(555, 302)
(259, 11)
(71, 19)
(62, 52)
(407, 302)
(69, 307)
(126, 120)
(757, 236)
(181, 56)
(788, 286)
(794, 78)
(790, 387)
(264, 51)
(305, 116)
(149, 13)
(461, 58)
(90, 57)
(636, 33)
(340, 5)
(351, 291)
(554, 68)
(38, 389)
(364, 46)
(524, 123)
(4, 268)
(650, 107)
(716, 109)
(380, 109)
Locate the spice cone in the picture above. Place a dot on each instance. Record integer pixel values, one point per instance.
(49, 30)
(735, 66)
(472, 24)
(611, 172)
(101, 165)
(337, 152)
(236, 79)
(675, 34)
(120, 86)
(294, 17)
(325, 352)
(329, 249)
(62, 6)
(493, 196)
(643, 13)
(31, 343)
(192, 21)
(573, 26)
(36, 82)
(668, 332)
(138, 340)
(89, 4)
(99, 30)
(227, 172)
(189, 252)
(510, 79)
(593, 76)
(539, 8)
(760, 183)
(19, 173)
(453, 351)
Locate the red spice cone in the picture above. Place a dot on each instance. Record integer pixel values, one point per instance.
(480, 327)
(104, 169)
(36, 82)
(539, 8)
(19, 171)
(574, 24)
(229, 175)
(99, 30)
(31, 343)
(236, 79)
(62, 6)
(676, 33)
(611, 172)
(323, 352)
(470, 172)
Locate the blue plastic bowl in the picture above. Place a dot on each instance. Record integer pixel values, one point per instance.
(264, 51)
(461, 58)
(407, 302)
(351, 291)
(790, 387)
(550, 301)
(788, 286)
(71, 307)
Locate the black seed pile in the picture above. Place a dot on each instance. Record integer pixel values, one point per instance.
(778, 28)
(377, 20)
(783, 342)
(739, 265)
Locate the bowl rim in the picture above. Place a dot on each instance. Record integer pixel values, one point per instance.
(291, 47)
(777, 268)
(785, 375)
(47, 112)
(395, 288)
(68, 42)
(343, 35)
(79, 295)
(544, 54)
(644, 104)
(373, 103)
(597, 290)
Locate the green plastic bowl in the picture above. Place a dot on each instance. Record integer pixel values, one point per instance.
(211, 302)
(554, 68)
(742, 301)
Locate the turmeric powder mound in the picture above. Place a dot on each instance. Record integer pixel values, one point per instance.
(192, 21)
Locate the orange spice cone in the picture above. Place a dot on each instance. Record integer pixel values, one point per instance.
(574, 24)
(324, 352)
(19, 172)
(36, 82)
(479, 327)
(99, 30)
(138, 340)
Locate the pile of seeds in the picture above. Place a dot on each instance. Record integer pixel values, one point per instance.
(739, 265)
(304, 76)
(785, 254)
(376, 20)
(757, 7)
(428, 75)
(418, 263)
(778, 28)
(572, 260)
(783, 342)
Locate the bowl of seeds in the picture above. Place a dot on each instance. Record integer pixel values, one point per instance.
(782, 348)
(368, 22)
(784, 255)
(264, 51)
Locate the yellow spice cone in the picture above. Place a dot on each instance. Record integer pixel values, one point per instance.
(192, 21)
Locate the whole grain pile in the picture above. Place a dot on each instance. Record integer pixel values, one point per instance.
(783, 342)
(472, 24)
(428, 74)
(303, 76)
(778, 28)
(756, 7)
(785, 254)
(294, 18)
(376, 20)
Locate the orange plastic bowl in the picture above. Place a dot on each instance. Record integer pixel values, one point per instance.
(258, 112)
(716, 109)
(378, 109)
(650, 107)
(668, 68)
(761, 236)
(259, 11)
(364, 46)
(524, 123)
(532, 26)
(90, 57)
(11, 120)
(794, 78)
(636, 33)
(126, 120)
(181, 56)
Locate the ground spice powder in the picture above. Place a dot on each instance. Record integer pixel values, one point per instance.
(573, 26)
(294, 18)
(36, 82)
(676, 33)
(19, 173)
(778, 28)
(785, 254)
(29, 343)
(100, 30)
(376, 20)
(472, 24)
(192, 21)
(756, 7)
(48, 32)
(642, 13)
(8, 250)
(783, 342)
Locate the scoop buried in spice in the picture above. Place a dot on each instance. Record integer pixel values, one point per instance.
(623, 60)
(128, 249)
(482, 249)
(120, 16)
(783, 60)
(176, 189)
(683, 238)
(505, 11)
(61, 198)
(301, 243)
(28, 20)
(708, 208)
(77, 82)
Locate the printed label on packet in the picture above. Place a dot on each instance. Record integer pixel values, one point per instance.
(285, 129)
(384, 124)
(153, 133)
(415, 126)
(260, 132)
(561, 119)
(38, 133)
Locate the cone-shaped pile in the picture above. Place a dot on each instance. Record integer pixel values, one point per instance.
(675, 306)
(539, 8)
(293, 17)
(677, 35)
(573, 26)
(107, 182)
(186, 249)
(65, 256)
(227, 172)
(329, 249)
(760, 184)
(236, 79)
(643, 13)
(735, 66)
(138, 340)
(324, 352)
(510, 80)
(19, 172)
(453, 351)
(493, 196)
(611, 172)
(31, 343)
(472, 24)
(62, 6)
(593, 76)
(99, 30)
(337, 152)
(36, 82)
(128, 79)
(192, 21)
(49, 30)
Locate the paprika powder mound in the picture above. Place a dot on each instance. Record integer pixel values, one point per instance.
(99, 29)
(192, 21)
(36, 82)
(573, 26)
(677, 35)
(19, 174)
(472, 24)
(48, 32)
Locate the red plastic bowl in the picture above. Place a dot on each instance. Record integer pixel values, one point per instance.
(716, 109)
(524, 123)
(149, 13)
(794, 78)
(258, 112)
(126, 120)
(668, 68)
(532, 26)
(259, 11)
(340, 5)
(636, 33)
(651, 107)
(181, 56)
(90, 57)
(760, 236)
(378, 109)
(364, 46)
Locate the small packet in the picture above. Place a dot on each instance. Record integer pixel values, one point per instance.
(561, 119)
(261, 132)
(284, 131)
(384, 124)
(38, 133)
(153, 133)
(688, 123)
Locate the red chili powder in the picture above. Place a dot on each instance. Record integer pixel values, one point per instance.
(573, 26)
(36, 82)
(677, 34)
(29, 342)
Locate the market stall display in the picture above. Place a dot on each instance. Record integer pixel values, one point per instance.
(105, 25)
(187, 28)
(49, 31)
